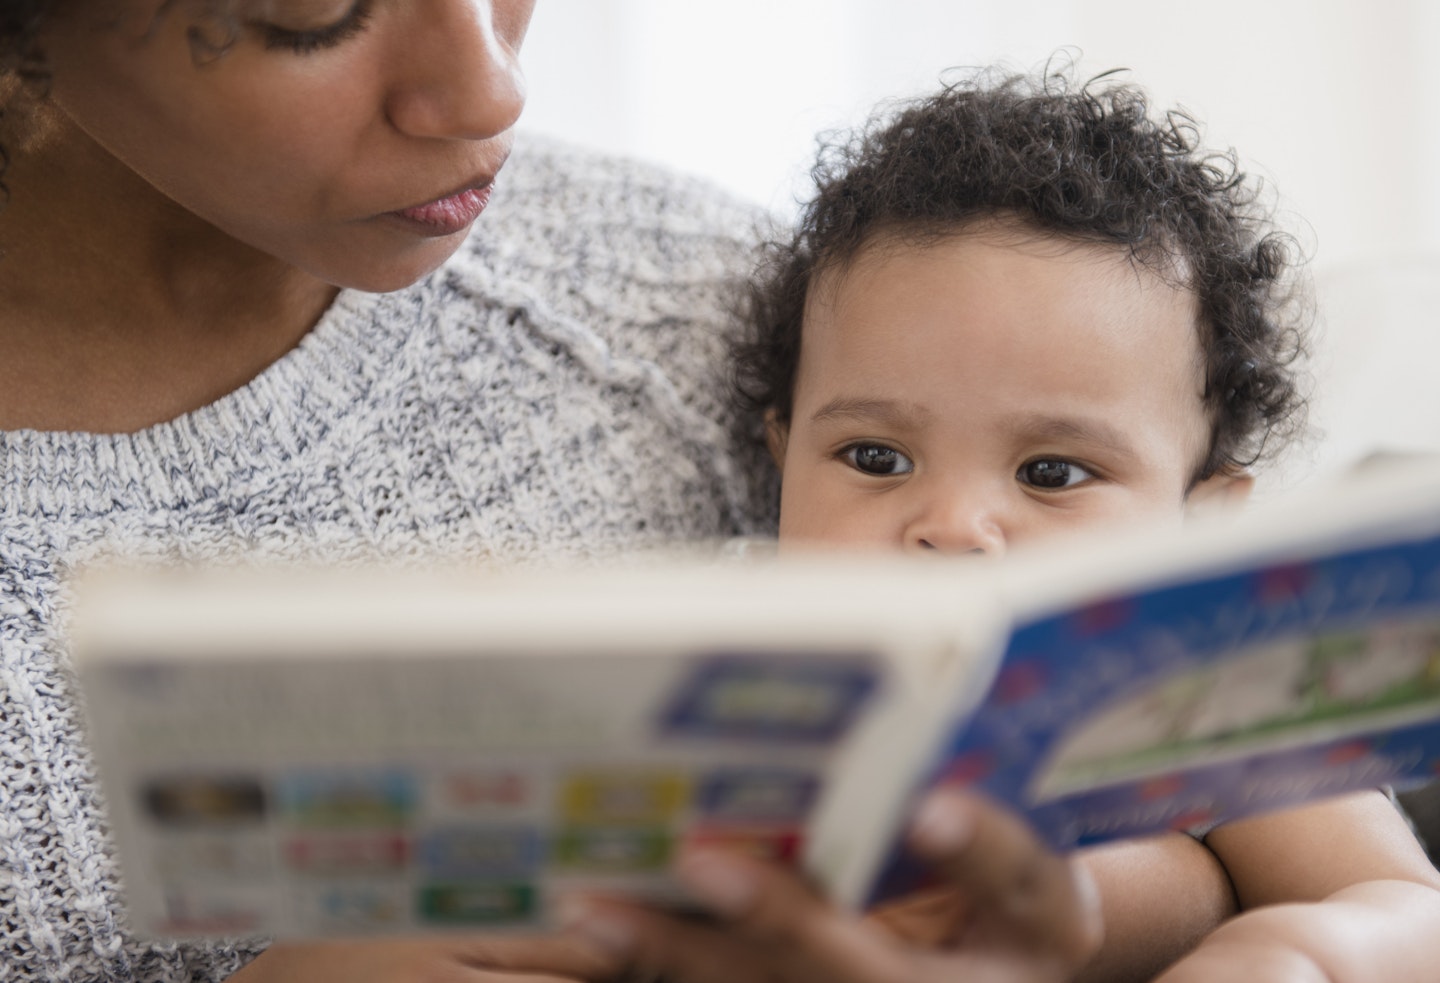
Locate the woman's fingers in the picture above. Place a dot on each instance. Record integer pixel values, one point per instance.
(769, 925)
(935, 919)
(1022, 894)
(654, 945)
(547, 956)
(1018, 913)
(438, 959)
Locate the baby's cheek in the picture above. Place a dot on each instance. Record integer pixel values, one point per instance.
(834, 525)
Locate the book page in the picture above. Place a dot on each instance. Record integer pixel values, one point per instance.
(330, 758)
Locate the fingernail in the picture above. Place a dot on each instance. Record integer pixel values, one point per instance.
(598, 927)
(718, 882)
(1085, 887)
(942, 824)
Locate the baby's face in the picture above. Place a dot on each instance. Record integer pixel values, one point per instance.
(990, 389)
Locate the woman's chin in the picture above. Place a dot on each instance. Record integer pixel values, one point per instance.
(378, 272)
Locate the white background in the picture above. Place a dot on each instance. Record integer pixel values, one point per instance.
(1333, 102)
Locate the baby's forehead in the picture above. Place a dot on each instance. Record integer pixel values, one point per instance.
(999, 327)
(1158, 275)
(1155, 258)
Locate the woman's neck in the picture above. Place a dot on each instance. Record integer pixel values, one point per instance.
(118, 309)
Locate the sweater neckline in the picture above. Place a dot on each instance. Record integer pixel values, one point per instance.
(289, 406)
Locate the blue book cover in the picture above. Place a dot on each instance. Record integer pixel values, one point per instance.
(1306, 667)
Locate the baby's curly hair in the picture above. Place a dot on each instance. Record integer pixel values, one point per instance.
(1079, 161)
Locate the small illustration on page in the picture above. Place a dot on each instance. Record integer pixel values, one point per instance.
(1277, 695)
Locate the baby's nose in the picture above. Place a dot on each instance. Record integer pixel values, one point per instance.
(955, 528)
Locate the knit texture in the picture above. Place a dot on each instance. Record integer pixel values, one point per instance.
(555, 389)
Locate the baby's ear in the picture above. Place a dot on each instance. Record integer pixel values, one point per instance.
(1222, 490)
(777, 435)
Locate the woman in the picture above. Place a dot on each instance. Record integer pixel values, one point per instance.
(243, 312)
(200, 196)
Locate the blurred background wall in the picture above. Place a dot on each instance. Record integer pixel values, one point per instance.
(1333, 102)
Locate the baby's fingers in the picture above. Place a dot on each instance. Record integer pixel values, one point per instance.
(1022, 893)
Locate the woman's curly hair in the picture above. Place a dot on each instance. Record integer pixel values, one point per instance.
(19, 24)
(1083, 162)
(22, 60)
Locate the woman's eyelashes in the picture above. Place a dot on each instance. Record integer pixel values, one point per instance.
(877, 459)
(1053, 474)
(304, 41)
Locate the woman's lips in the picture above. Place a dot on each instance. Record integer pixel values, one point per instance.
(448, 215)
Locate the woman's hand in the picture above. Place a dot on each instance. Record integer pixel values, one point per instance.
(442, 959)
(1014, 912)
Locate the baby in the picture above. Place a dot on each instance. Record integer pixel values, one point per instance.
(1016, 309)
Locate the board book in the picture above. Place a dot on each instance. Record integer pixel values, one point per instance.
(309, 753)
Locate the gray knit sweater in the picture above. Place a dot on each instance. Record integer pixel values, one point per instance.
(553, 389)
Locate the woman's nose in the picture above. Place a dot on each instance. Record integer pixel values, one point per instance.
(456, 76)
(955, 524)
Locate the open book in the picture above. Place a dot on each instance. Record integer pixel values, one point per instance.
(314, 753)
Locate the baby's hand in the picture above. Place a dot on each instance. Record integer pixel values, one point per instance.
(1018, 913)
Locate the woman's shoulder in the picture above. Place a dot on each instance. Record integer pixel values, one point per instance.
(579, 184)
(594, 224)
(616, 274)
(627, 258)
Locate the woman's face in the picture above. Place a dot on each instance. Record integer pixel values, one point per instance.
(353, 139)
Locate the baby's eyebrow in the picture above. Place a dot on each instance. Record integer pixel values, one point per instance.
(1083, 429)
(893, 412)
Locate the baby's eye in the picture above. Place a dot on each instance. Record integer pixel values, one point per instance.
(1050, 472)
(877, 459)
